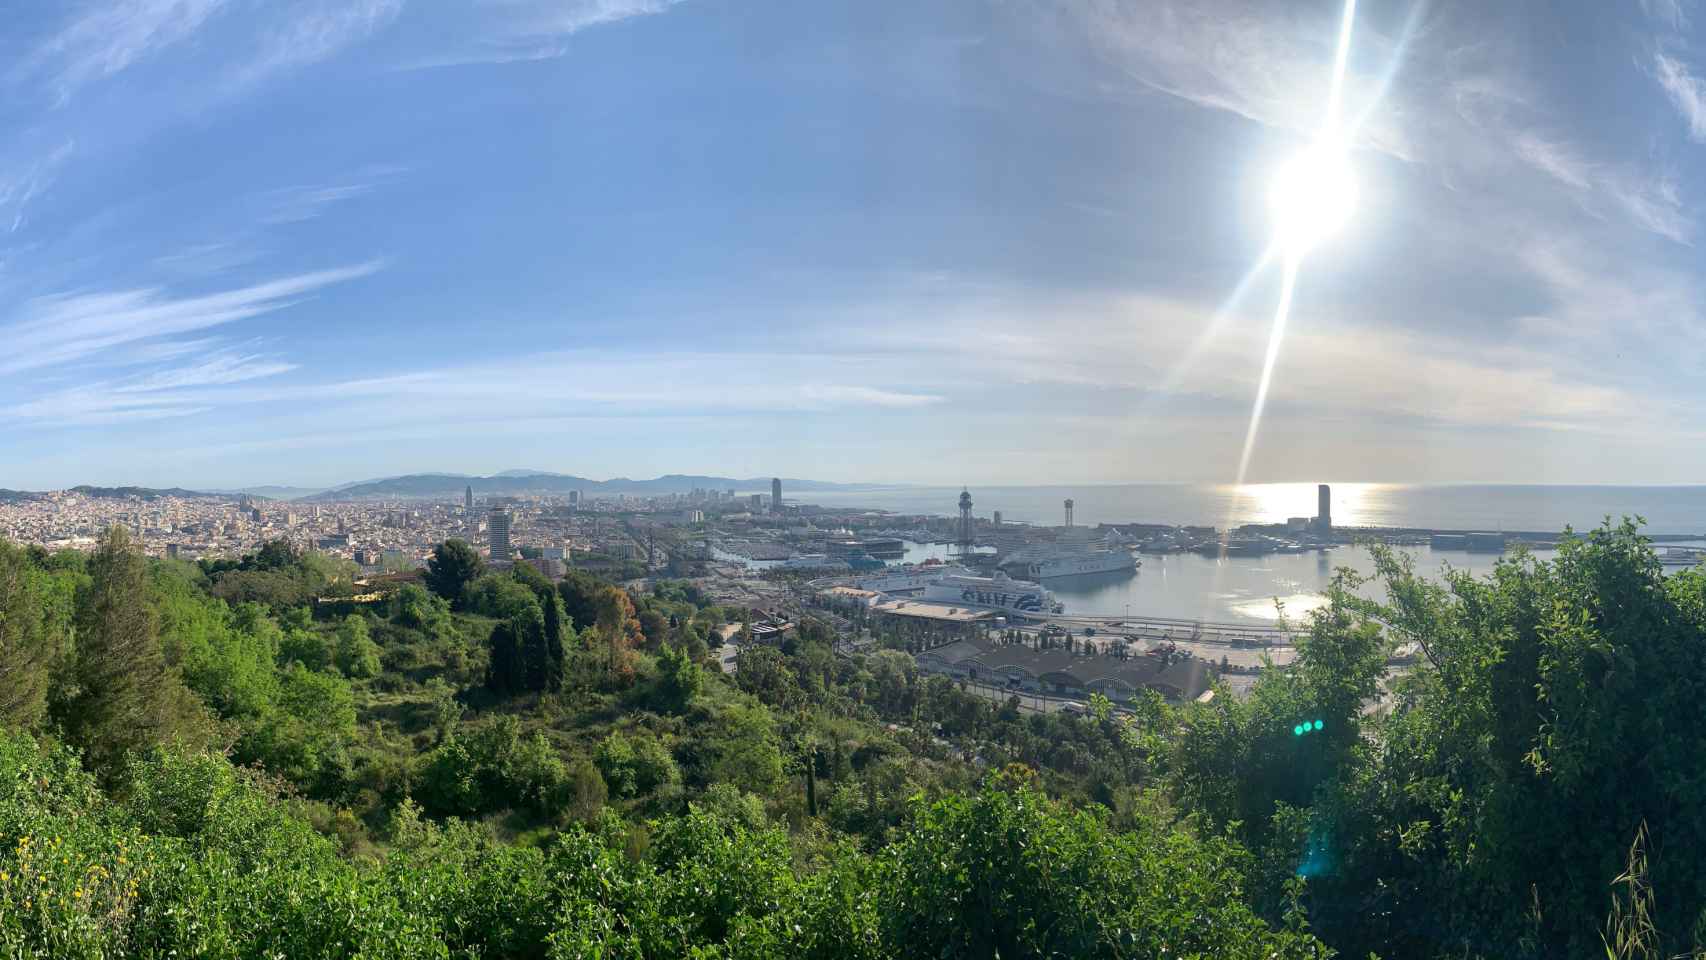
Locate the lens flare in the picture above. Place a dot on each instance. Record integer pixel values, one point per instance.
(1312, 197)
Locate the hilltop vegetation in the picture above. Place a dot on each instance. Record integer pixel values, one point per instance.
(241, 759)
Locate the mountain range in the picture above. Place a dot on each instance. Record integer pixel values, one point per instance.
(433, 486)
(515, 482)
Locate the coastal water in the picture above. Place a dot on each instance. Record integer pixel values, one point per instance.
(1245, 589)
(1226, 590)
(1514, 507)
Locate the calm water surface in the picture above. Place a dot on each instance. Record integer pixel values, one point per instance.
(1230, 590)
(1545, 508)
(1244, 589)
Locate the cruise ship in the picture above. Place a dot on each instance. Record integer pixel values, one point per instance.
(910, 578)
(1071, 557)
(1041, 563)
(1000, 592)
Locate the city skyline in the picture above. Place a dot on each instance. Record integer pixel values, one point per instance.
(933, 244)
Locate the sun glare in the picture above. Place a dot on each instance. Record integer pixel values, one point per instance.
(1311, 198)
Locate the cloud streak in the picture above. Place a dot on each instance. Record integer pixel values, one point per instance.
(315, 32)
(109, 38)
(60, 329)
(1687, 93)
(523, 30)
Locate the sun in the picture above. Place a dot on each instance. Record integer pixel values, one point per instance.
(1312, 196)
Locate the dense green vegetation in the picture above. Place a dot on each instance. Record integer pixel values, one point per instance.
(247, 758)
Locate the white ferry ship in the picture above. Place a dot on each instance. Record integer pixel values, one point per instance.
(1000, 592)
(910, 578)
(1068, 558)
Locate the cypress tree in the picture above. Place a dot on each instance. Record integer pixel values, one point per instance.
(554, 655)
(504, 670)
(127, 697)
(28, 643)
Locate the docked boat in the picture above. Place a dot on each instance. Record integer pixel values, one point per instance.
(999, 592)
(911, 578)
(815, 562)
(1042, 564)
(1681, 556)
(1071, 556)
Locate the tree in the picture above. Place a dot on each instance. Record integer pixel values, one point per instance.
(553, 655)
(581, 592)
(357, 654)
(1043, 881)
(679, 679)
(587, 791)
(446, 710)
(126, 695)
(745, 750)
(504, 671)
(453, 566)
(634, 766)
(618, 630)
(654, 628)
(416, 608)
(30, 641)
(274, 555)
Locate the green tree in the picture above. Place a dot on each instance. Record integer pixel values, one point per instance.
(357, 655)
(634, 765)
(555, 655)
(306, 739)
(126, 696)
(745, 749)
(451, 568)
(414, 607)
(678, 680)
(1007, 873)
(504, 668)
(31, 643)
(274, 555)
(587, 791)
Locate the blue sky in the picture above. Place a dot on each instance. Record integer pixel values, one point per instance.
(980, 241)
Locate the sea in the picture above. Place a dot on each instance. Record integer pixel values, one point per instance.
(1261, 589)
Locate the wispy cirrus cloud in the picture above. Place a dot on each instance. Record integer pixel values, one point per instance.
(311, 32)
(298, 203)
(1650, 200)
(173, 391)
(60, 329)
(520, 30)
(104, 39)
(653, 383)
(1687, 92)
(1669, 12)
(18, 189)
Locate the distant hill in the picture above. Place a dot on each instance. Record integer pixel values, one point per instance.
(422, 486)
(17, 496)
(272, 492)
(144, 493)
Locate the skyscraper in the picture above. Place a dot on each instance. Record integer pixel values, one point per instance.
(468, 498)
(968, 528)
(1324, 508)
(775, 494)
(497, 533)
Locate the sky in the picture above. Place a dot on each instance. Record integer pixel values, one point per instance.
(966, 241)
